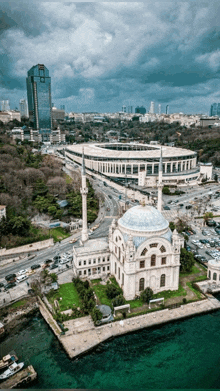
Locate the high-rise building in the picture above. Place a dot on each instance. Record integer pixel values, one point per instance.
(23, 108)
(123, 109)
(39, 99)
(62, 107)
(140, 110)
(5, 106)
(215, 109)
(151, 111)
(159, 109)
(167, 109)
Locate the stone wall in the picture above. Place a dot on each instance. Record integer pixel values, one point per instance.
(28, 248)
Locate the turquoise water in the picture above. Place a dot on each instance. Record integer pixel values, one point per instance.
(183, 354)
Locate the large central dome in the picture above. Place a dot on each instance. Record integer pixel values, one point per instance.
(143, 219)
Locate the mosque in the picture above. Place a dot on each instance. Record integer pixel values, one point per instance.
(141, 251)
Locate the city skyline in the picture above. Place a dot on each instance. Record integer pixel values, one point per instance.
(102, 56)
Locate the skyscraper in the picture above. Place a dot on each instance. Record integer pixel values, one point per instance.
(5, 106)
(167, 109)
(151, 111)
(39, 99)
(215, 109)
(23, 108)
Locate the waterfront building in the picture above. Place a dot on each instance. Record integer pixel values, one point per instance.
(140, 251)
(139, 163)
(39, 99)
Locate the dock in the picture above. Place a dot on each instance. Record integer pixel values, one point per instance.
(22, 378)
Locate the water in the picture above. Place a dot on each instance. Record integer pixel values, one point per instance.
(183, 354)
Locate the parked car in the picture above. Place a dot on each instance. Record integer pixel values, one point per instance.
(166, 207)
(21, 272)
(204, 233)
(188, 206)
(57, 258)
(2, 285)
(21, 278)
(33, 267)
(211, 223)
(73, 240)
(10, 285)
(54, 266)
(48, 261)
(10, 277)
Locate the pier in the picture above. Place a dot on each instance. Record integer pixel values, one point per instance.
(83, 336)
(22, 378)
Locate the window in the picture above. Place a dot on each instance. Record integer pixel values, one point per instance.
(108, 259)
(103, 259)
(84, 272)
(103, 268)
(84, 262)
(142, 264)
(153, 260)
(153, 245)
(209, 274)
(215, 276)
(115, 268)
(94, 260)
(143, 252)
(119, 273)
(141, 284)
(116, 239)
(89, 261)
(163, 261)
(80, 273)
(99, 260)
(107, 267)
(162, 280)
(99, 270)
(115, 250)
(89, 272)
(122, 278)
(162, 249)
(80, 263)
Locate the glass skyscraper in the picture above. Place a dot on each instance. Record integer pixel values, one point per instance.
(39, 99)
(215, 109)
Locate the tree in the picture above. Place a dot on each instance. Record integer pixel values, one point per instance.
(112, 291)
(172, 225)
(186, 261)
(118, 300)
(20, 226)
(166, 190)
(207, 216)
(146, 295)
(53, 277)
(96, 314)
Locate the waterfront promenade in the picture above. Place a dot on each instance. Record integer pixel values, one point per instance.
(83, 336)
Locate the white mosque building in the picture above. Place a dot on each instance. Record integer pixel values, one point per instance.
(140, 252)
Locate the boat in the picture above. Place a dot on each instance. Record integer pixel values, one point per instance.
(8, 360)
(14, 368)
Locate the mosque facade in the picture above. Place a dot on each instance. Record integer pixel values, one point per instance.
(140, 251)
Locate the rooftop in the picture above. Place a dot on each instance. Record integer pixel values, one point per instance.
(92, 246)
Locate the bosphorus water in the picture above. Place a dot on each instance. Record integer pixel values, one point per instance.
(183, 354)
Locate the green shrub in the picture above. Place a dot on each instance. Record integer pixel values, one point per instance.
(112, 291)
(118, 300)
(146, 295)
(96, 314)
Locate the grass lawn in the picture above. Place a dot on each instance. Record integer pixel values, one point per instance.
(135, 303)
(194, 271)
(68, 179)
(198, 294)
(58, 234)
(96, 280)
(18, 303)
(69, 296)
(167, 294)
(100, 291)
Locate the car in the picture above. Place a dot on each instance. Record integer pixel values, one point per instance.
(54, 266)
(169, 202)
(10, 277)
(204, 233)
(21, 272)
(73, 240)
(203, 241)
(193, 231)
(21, 278)
(166, 207)
(57, 258)
(48, 261)
(181, 205)
(211, 223)
(33, 267)
(188, 206)
(64, 260)
(2, 285)
(10, 285)
(188, 248)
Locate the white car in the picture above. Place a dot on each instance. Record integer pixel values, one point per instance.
(21, 278)
(64, 260)
(22, 272)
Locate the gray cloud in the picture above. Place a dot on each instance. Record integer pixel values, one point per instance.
(103, 55)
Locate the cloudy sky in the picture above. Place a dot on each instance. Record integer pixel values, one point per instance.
(102, 55)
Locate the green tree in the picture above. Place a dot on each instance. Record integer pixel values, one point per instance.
(166, 190)
(96, 315)
(112, 291)
(40, 188)
(20, 226)
(186, 261)
(207, 216)
(54, 277)
(146, 295)
(118, 300)
(172, 225)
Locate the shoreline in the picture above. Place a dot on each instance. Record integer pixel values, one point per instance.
(78, 341)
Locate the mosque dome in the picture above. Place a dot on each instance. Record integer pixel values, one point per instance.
(145, 219)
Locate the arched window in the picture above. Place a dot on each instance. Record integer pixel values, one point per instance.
(153, 245)
(153, 260)
(162, 280)
(141, 284)
(209, 274)
(215, 276)
(143, 252)
(162, 249)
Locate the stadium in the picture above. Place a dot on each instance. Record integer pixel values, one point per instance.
(139, 163)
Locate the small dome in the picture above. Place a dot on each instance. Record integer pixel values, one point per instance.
(144, 219)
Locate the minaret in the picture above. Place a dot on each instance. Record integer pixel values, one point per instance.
(160, 184)
(84, 191)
